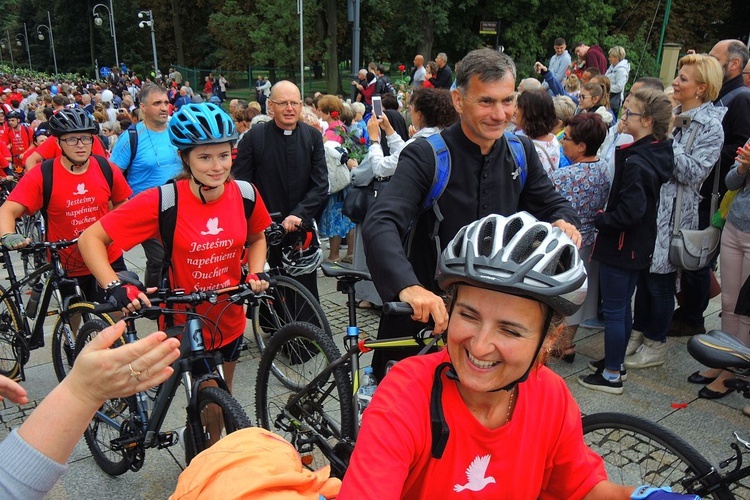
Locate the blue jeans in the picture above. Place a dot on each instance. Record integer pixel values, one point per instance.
(654, 304)
(617, 286)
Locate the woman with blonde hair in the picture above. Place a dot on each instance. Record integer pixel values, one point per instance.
(618, 73)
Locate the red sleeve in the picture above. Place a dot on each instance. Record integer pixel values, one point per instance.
(28, 192)
(135, 221)
(49, 149)
(27, 153)
(98, 148)
(120, 189)
(4, 155)
(260, 219)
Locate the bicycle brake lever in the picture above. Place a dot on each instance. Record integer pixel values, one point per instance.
(746, 444)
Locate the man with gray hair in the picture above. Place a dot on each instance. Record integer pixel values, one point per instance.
(529, 84)
(485, 180)
(444, 77)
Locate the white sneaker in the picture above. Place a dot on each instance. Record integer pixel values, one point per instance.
(636, 339)
(650, 353)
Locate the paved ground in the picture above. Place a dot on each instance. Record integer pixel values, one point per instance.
(650, 393)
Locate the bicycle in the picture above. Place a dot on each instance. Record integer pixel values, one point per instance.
(18, 336)
(637, 451)
(286, 301)
(306, 390)
(31, 226)
(124, 428)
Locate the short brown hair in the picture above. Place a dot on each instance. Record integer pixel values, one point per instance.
(589, 129)
(330, 103)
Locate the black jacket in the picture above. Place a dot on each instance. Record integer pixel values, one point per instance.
(479, 185)
(627, 228)
(289, 170)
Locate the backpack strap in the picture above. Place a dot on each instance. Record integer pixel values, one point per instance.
(133, 139)
(519, 156)
(167, 223)
(106, 169)
(47, 171)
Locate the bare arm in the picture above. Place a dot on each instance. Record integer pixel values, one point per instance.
(607, 490)
(256, 259)
(93, 246)
(33, 160)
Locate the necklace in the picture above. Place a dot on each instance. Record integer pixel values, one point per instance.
(151, 141)
(510, 405)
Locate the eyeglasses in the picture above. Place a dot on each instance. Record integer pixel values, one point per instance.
(584, 97)
(284, 104)
(566, 138)
(72, 141)
(629, 113)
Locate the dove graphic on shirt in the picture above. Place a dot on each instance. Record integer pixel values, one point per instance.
(475, 474)
(212, 227)
(81, 189)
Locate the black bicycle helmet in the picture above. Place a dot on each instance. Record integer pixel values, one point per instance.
(69, 121)
(518, 255)
(14, 114)
(201, 124)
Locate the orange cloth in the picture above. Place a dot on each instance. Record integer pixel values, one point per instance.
(253, 463)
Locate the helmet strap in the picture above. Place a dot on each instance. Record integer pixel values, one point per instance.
(75, 164)
(201, 187)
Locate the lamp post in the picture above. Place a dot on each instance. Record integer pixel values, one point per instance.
(113, 33)
(25, 36)
(10, 49)
(300, 12)
(40, 35)
(150, 23)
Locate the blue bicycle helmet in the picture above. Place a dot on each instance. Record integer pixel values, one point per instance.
(201, 124)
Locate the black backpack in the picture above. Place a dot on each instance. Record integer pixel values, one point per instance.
(168, 216)
(47, 173)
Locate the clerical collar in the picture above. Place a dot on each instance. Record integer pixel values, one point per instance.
(288, 132)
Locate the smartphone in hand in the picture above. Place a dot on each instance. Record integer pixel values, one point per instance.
(377, 106)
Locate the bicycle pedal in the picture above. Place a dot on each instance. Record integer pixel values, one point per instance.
(36, 344)
(167, 439)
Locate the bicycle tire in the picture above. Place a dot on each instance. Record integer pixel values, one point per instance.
(99, 433)
(233, 416)
(637, 451)
(324, 413)
(291, 302)
(62, 355)
(33, 230)
(13, 349)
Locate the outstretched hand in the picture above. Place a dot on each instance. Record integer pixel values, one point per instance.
(101, 373)
(13, 391)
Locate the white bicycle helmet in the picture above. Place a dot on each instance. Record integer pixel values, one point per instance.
(518, 255)
(301, 252)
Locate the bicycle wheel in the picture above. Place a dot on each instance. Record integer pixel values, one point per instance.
(13, 350)
(637, 451)
(324, 416)
(33, 230)
(290, 301)
(64, 334)
(102, 431)
(220, 414)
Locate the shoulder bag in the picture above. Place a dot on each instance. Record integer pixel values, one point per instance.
(693, 249)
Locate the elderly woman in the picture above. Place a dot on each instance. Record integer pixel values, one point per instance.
(585, 184)
(618, 73)
(503, 425)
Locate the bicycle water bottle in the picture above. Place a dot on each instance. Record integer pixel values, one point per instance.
(367, 386)
(33, 305)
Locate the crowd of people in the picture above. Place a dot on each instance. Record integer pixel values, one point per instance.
(563, 207)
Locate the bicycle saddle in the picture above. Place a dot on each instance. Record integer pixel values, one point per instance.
(338, 271)
(717, 349)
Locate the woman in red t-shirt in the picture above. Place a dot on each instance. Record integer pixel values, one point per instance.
(211, 232)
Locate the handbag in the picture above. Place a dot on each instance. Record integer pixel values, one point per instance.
(339, 176)
(693, 249)
(359, 199)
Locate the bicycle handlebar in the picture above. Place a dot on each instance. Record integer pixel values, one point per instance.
(37, 246)
(398, 308)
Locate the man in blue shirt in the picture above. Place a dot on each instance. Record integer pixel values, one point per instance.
(154, 163)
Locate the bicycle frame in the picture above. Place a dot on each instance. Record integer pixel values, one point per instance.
(51, 287)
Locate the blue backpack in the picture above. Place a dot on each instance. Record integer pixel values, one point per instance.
(443, 174)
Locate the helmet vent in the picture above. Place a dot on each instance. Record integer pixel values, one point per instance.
(531, 241)
(511, 229)
(487, 238)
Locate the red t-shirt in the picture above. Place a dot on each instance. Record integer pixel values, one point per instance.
(76, 202)
(540, 453)
(207, 247)
(51, 149)
(18, 142)
(4, 155)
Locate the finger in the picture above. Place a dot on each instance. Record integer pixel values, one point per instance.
(106, 337)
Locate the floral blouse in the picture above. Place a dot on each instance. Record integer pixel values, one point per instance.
(586, 186)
